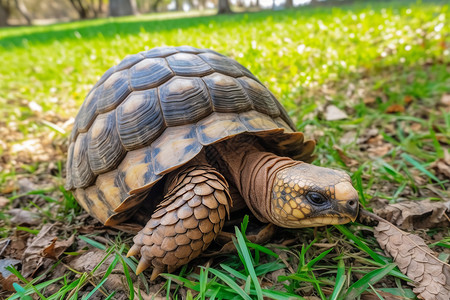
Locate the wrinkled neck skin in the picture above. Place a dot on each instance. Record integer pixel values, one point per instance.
(253, 172)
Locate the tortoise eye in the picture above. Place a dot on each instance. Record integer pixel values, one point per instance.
(316, 198)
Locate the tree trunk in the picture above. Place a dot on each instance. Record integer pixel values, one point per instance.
(79, 7)
(119, 8)
(4, 13)
(289, 4)
(155, 5)
(178, 5)
(202, 4)
(224, 7)
(23, 11)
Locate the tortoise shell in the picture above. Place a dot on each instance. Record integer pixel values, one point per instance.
(154, 112)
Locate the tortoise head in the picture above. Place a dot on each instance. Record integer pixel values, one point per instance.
(305, 195)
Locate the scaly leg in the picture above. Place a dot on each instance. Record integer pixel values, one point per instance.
(185, 223)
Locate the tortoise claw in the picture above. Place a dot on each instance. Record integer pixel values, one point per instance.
(134, 250)
(143, 265)
(155, 273)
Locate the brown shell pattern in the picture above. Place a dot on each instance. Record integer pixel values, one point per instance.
(154, 112)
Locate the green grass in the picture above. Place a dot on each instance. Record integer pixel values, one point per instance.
(363, 58)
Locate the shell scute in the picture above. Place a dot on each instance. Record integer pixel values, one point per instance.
(227, 94)
(176, 146)
(187, 64)
(218, 126)
(105, 150)
(159, 52)
(184, 101)
(149, 73)
(113, 91)
(221, 64)
(139, 119)
(88, 112)
(262, 100)
(82, 174)
(189, 49)
(129, 61)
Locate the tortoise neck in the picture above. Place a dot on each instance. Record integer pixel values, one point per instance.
(252, 171)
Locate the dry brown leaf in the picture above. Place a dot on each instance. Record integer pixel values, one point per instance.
(56, 248)
(442, 165)
(349, 162)
(445, 101)
(333, 113)
(411, 215)
(369, 100)
(31, 258)
(6, 284)
(408, 99)
(395, 108)
(430, 275)
(21, 216)
(87, 261)
(3, 201)
(385, 295)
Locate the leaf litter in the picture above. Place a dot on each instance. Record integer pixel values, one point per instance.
(431, 276)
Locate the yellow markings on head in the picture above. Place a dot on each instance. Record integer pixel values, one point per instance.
(296, 188)
(280, 183)
(298, 214)
(287, 190)
(293, 204)
(280, 202)
(306, 210)
(276, 189)
(287, 208)
(291, 184)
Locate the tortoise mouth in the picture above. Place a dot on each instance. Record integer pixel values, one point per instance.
(324, 220)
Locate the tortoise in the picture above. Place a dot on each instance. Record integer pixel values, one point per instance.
(192, 134)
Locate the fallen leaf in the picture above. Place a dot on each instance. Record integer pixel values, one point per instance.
(408, 99)
(349, 162)
(384, 295)
(430, 275)
(21, 217)
(6, 284)
(411, 215)
(445, 100)
(6, 262)
(26, 185)
(31, 258)
(3, 201)
(380, 150)
(348, 138)
(395, 108)
(87, 261)
(369, 100)
(333, 113)
(442, 165)
(56, 248)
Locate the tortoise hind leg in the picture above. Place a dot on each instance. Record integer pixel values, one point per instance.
(185, 223)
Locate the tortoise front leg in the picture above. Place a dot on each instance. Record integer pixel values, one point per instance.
(185, 223)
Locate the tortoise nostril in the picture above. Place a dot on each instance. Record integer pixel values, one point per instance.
(351, 203)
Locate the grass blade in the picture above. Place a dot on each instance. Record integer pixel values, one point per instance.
(231, 283)
(370, 278)
(248, 262)
(340, 280)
